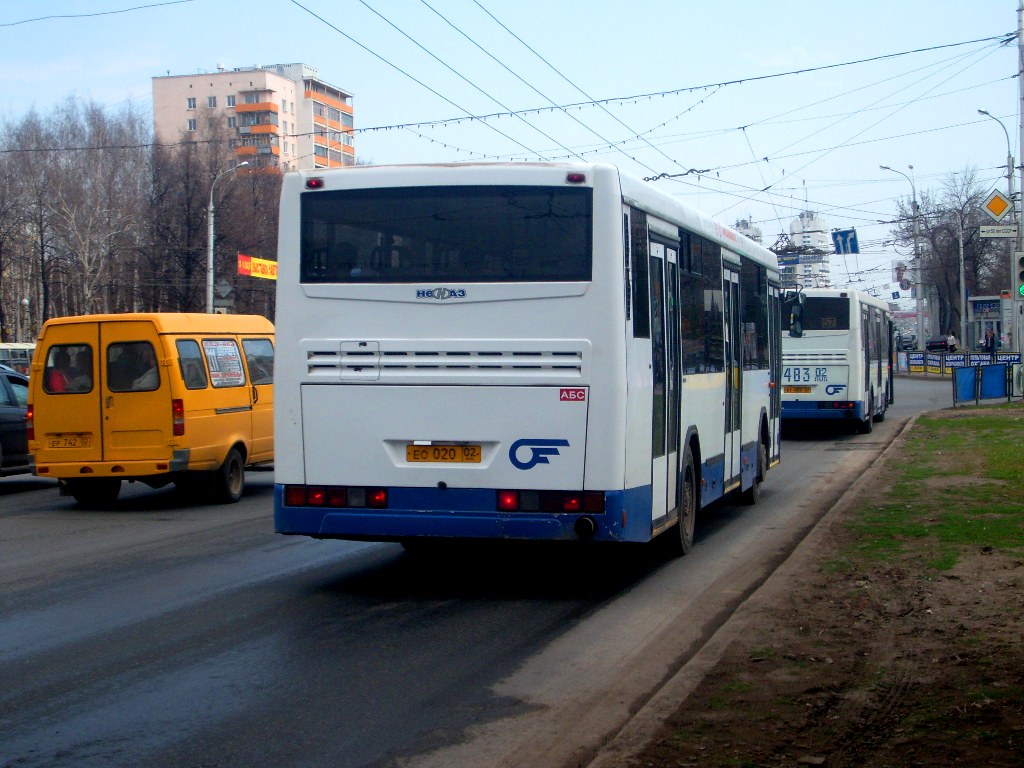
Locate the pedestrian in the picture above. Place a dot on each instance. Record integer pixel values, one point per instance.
(990, 342)
(951, 343)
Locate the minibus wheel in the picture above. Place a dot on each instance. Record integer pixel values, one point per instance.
(229, 480)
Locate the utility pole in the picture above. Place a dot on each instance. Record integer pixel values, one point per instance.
(1016, 301)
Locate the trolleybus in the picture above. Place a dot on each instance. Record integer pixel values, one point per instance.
(836, 356)
(515, 351)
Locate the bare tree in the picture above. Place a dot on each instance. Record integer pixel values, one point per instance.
(942, 216)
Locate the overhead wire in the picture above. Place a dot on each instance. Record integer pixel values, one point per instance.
(407, 74)
(465, 79)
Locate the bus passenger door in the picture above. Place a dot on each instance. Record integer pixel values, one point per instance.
(659, 376)
(733, 377)
(775, 369)
(673, 377)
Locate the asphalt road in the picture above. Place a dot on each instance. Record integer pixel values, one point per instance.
(160, 633)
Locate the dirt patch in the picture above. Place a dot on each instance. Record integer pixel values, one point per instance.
(885, 662)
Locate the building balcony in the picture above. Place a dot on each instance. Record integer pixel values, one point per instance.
(263, 106)
(323, 98)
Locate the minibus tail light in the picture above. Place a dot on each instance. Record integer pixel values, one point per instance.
(30, 425)
(178, 416)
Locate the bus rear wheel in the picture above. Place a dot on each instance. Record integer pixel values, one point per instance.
(868, 423)
(753, 493)
(679, 539)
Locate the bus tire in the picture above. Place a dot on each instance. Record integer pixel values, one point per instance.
(229, 480)
(880, 416)
(868, 423)
(96, 492)
(679, 539)
(753, 493)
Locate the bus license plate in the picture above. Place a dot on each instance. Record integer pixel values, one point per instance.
(797, 390)
(443, 454)
(69, 441)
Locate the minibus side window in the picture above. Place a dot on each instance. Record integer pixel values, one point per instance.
(190, 361)
(131, 367)
(68, 369)
(224, 360)
(259, 356)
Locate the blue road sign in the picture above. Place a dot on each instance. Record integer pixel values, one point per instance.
(845, 241)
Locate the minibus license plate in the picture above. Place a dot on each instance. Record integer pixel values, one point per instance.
(444, 454)
(797, 390)
(69, 441)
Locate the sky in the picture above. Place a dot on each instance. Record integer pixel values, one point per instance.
(750, 109)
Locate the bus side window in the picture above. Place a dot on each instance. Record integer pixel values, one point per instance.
(190, 361)
(259, 354)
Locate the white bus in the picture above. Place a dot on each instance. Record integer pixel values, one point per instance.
(515, 351)
(836, 356)
(17, 355)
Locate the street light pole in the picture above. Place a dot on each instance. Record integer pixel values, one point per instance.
(917, 254)
(1014, 247)
(210, 236)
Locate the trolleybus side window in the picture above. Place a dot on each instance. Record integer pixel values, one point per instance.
(714, 330)
(638, 259)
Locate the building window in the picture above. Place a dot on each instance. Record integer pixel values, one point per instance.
(190, 102)
(232, 122)
(211, 101)
(192, 125)
(231, 101)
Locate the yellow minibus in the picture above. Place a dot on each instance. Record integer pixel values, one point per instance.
(153, 398)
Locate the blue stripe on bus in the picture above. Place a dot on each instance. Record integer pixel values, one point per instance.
(808, 409)
(463, 513)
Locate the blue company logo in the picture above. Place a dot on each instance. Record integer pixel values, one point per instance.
(539, 452)
(441, 293)
(834, 389)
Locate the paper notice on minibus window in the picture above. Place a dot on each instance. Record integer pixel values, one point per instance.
(225, 362)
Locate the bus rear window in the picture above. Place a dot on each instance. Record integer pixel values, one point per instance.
(823, 313)
(458, 234)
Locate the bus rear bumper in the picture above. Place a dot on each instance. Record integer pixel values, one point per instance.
(461, 521)
(823, 409)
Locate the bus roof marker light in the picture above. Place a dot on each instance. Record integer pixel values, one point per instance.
(575, 178)
(315, 183)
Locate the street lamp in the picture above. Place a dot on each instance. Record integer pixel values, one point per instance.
(917, 253)
(1011, 334)
(209, 236)
(22, 306)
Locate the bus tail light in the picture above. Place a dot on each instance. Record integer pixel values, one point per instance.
(335, 496)
(550, 501)
(178, 417)
(30, 422)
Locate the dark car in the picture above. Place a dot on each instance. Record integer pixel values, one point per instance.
(938, 344)
(14, 455)
(906, 342)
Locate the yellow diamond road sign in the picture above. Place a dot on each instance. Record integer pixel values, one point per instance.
(997, 205)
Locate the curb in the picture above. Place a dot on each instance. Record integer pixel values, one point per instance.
(646, 725)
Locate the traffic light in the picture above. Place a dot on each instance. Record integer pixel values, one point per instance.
(1020, 275)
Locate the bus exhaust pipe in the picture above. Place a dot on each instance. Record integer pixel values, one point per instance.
(585, 528)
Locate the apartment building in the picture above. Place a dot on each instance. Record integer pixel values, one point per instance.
(278, 117)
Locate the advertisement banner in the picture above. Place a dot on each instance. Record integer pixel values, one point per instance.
(254, 267)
